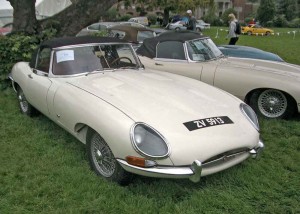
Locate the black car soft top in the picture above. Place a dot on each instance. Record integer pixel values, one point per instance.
(67, 41)
(148, 48)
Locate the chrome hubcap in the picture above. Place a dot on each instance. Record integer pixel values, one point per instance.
(23, 102)
(272, 103)
(103, 157)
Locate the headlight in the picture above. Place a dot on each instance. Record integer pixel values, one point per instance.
(250, 115)
(148, 142)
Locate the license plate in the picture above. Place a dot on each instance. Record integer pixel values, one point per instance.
(207, 122)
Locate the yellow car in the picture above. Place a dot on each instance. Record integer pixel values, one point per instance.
(256, 29)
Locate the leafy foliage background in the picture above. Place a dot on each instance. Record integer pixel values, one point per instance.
(18, 47)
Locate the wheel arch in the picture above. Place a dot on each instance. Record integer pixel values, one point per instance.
(250, 93)
(15, 85)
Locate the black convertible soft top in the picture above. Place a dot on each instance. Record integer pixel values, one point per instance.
(148, 48)
(66, 41)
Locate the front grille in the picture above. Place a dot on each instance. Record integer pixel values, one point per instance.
(224, 157)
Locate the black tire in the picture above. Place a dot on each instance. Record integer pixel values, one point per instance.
(25, 107)
(273, 104)
(102, 160)
(177, 29)
(249, 33)
(268, 33)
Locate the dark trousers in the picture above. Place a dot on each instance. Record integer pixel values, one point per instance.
(233, 40)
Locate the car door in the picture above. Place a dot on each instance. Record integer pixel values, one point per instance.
(171, 57)
(39, 82)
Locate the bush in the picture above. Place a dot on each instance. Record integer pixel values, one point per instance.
(295, 23)
(280, 21)
(125, 17)
(18, 47)
(111, 14)
(213, 20)
(269, 24)
(152, 19)
(225, 15)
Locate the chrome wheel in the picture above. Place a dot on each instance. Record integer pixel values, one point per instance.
(272, 103)
(102, 156)
(25, 107)
(249, 33)
(23, 102)
(103, 161)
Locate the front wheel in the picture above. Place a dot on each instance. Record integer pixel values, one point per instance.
(268, 33)
(102, 160)
(177, 29)
(272, 103)
(249, 33)
(24, 105)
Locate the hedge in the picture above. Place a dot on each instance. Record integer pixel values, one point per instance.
(15, 48)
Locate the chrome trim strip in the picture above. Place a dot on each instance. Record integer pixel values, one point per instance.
(256, 152)
(193, 172)
(173, 171)
(256, 126)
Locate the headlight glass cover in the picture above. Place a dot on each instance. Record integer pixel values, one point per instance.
(148, 142)
(250, 115)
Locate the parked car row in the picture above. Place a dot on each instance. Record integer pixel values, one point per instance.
(159, 106)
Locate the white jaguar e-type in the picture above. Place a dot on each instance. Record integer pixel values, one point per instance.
(271, 88)
(135, 120)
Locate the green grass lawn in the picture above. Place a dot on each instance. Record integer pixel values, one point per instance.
(43, 169)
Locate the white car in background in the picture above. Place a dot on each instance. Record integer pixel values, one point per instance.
(203, 25)
(181, 25)
(271, 88)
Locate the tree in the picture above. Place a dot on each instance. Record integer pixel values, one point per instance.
(211, 16)
(288, 8)
(69, 21)
(24, 16)
(266, 11)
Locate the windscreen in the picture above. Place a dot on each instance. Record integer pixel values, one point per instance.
(84, 59)
(203, 50)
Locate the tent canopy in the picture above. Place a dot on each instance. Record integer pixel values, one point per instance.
(44, 8)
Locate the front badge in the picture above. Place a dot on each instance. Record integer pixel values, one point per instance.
(207, 122)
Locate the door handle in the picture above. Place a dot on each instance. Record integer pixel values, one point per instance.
(158, 64)
(29, 75)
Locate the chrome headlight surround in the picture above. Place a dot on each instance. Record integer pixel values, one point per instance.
(148, 142)
(250, 115)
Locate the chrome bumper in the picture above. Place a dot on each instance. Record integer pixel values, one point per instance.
(192, 172)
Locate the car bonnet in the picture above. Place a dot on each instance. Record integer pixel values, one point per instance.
(170, 103)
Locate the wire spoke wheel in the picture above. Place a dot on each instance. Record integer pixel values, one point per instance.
(102, 156)
(272, 103)
(22, 101)
(25, 107)
(103, 161)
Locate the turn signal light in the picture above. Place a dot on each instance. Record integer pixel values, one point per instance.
(141, 162)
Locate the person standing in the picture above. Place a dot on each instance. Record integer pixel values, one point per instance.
(191, 25)
(232, 35)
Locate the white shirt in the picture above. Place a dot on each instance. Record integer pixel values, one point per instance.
(232, 27)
